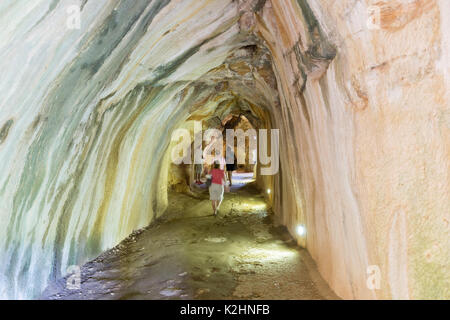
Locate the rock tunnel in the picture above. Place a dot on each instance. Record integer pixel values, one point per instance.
(92, 92)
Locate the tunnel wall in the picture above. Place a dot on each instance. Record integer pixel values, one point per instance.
(86, 119)
(365, 141)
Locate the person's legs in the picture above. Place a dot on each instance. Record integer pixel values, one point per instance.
(217, 207)
(216, 213)
(216, 194)
(198, 173)
(219, 202)
(230, 175)
(212, 198)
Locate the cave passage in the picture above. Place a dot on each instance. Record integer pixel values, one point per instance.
(189, 254)
(355, 95)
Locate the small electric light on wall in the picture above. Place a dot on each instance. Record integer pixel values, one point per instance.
(268, 191)
(301, 230)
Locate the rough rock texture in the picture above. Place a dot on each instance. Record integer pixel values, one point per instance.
(369, 174)
(86, 118)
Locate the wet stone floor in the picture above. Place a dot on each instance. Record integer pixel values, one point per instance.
(190, 254)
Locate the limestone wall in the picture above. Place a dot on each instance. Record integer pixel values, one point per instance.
(86, 116)
(365, 116)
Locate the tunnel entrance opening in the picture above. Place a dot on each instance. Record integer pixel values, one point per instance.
(239, 173)
(231, 128)
(239, 136)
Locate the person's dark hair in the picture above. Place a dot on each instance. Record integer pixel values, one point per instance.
(216, 165)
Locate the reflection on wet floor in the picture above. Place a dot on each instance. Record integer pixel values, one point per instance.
(189, 254)
(241, 179)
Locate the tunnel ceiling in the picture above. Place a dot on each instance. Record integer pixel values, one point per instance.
(244, 84)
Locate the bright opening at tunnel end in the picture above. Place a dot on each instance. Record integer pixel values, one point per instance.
(258, 142)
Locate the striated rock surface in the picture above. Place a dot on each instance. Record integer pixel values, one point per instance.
(368, 112)
(86, 118)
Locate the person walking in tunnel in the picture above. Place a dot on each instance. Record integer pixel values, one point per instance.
(217, 186)
(231, 164)
(198, 169)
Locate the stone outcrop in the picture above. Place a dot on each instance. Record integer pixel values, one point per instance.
(363, 111)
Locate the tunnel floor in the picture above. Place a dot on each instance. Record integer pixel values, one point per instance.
(190, 254)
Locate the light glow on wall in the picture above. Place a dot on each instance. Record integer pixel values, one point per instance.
(301, 230)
